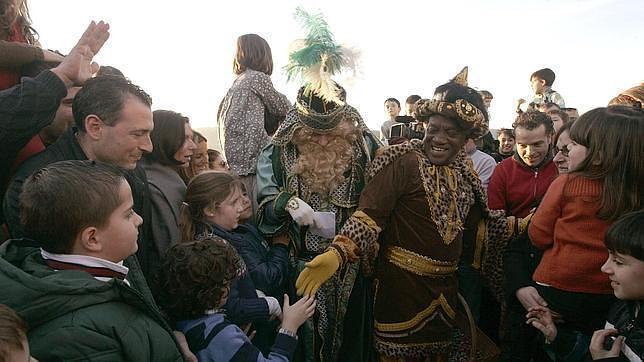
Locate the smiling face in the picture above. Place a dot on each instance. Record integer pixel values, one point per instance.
(506, 144)
(124, 143)
(443, 140)
(187, 149)
(532, 144)
(561, 159)
(626, 274)
(200, 158)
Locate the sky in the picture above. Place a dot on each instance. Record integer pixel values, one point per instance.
(181, 52)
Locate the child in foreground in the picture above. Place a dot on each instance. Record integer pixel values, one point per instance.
(622, 338)
(194, 284)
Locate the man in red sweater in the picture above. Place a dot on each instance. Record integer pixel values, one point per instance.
(519, 182)
(517, 186)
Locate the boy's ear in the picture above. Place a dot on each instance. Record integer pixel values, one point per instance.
(87, 240)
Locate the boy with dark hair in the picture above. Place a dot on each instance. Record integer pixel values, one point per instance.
(541, 83)
(69, 281)
(392, 110)
(622, 339)
(410, 105)
(193, 285)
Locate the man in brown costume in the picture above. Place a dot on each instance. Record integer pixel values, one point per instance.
(422, 201)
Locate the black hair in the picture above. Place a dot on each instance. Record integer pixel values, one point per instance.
(534, 119)
(412, 99)
(193, 277)
(546, 74)
(105, 97)
(626, 235)
(109, 70)
(392, 100)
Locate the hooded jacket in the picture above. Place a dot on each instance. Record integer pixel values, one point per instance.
(74, 317)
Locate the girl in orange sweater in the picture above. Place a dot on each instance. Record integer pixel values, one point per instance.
(607, 169)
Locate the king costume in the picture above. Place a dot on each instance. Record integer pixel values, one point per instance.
(341, 328)
(410, 226)
(344, 297)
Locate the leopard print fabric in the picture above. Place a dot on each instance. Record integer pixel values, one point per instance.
(497, 228)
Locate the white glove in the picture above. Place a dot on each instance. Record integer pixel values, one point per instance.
(300, 211)
(274, 308)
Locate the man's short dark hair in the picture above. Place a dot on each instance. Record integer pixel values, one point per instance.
(412, 99)
(626, 235)
(104, 97)
(60, 200)
(109, 70)
(168, 135)
(532, 120)
(194, 271)
(13, 332)
(546, 74)
(392, 100)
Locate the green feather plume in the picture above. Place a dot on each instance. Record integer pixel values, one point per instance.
(317, 56)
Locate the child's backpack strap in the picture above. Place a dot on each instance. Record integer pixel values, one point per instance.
(196, 338)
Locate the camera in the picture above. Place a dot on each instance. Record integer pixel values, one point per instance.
(407, 127)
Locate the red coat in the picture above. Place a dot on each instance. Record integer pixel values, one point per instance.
(517, 188)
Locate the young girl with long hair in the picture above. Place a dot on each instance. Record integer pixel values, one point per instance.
(606, 172)
(215, 204)
(251, 108)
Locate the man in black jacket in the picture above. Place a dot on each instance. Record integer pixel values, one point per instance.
(113, 122)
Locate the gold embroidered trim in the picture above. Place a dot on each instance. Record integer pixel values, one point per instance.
(360, 215)
(419, 264)
(449, 224)
(481, 235)
(441, 301)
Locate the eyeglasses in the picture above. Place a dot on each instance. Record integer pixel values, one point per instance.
(564, 151)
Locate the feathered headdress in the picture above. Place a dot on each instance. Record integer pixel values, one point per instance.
(317, 57)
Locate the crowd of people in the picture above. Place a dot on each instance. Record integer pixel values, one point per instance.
(310, 238)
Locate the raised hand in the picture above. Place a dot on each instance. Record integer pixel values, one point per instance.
(77, 66)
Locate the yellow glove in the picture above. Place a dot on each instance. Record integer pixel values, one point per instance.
(316, 272)
(524, 222)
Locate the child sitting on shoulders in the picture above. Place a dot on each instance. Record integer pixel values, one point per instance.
(622, 338)
(194, 284)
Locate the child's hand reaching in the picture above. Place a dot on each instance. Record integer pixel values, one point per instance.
(295, 315)
(540, 317)
(597, 350)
